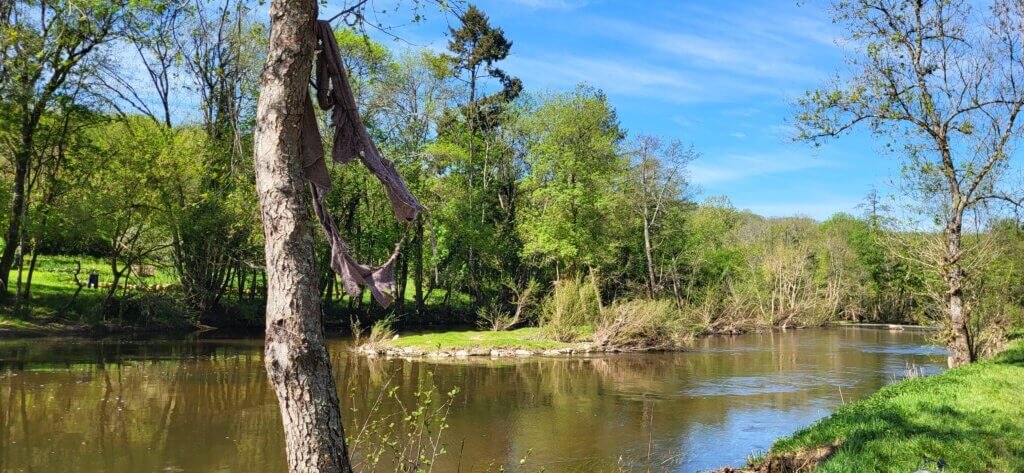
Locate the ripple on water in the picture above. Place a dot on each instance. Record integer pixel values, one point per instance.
(729, 349)
(922, 350)
(896, 370)
(205, 405)
(772, 383)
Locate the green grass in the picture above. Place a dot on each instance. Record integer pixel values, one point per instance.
(528, 338)
(970, 417)
(6, 321)
(53, 287)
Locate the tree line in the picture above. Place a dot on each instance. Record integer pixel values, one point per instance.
(127, 128)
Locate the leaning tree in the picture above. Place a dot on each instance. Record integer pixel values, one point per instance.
(942, 81)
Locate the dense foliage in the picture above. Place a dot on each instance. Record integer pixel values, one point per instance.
(528, 192)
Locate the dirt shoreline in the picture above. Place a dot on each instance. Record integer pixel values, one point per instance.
(577, 349)
(57, 329)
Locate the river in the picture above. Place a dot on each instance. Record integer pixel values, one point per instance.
(202, 404)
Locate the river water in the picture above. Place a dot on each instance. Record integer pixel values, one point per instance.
(203, 404)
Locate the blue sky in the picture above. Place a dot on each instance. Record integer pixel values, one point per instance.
(719, 74)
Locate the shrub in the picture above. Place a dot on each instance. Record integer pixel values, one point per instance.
(396, 436)
(642, 324)
(572, 305)
(155, 309)
(495, 317)
(381, 331)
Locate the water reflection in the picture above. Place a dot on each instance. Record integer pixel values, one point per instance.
(204, 405)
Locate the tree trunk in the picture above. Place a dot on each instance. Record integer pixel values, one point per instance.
(240, 275)
(648, 255)
(107, 305)
(17, 211)
(960, 350)
(295, 352)
(418, 266)
(31, 271)
(329, 289)
(403, 281)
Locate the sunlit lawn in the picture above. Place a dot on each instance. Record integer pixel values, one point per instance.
(522, 338)
(53, 288)
(972, 418)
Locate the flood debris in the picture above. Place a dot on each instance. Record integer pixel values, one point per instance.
(803, 460)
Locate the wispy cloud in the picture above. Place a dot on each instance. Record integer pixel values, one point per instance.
(628, 77)
(741, 112)
(611, 75)
(785, 132)
(727, 54)
(550, 4)
(737, 51)
(684, 122)
(735, 167)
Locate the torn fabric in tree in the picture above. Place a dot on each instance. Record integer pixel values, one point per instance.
(334, 94)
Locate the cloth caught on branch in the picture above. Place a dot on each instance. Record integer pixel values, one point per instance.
(351, 139)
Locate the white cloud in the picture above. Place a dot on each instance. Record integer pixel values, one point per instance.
(735, 167)
(723, 48)
(741, 112)
(683, 121)
(633, 78)
(681, 53)
(784, 132)
(610, 75)
(550, 4)
(738, 135)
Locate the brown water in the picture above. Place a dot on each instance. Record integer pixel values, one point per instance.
(200, 405)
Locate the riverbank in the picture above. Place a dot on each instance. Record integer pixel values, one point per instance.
(966, 419)
(11, 327)
(524, 342)
(461, 344)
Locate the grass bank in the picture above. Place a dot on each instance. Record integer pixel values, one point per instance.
(525, 338)
(530, 341)
(969, 419)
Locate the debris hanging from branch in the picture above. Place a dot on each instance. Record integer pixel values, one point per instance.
(351, 140)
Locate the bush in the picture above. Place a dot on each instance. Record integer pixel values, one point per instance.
(572, 305)
(642, 324)
(154, 309)
(496, 318)
(380, 332)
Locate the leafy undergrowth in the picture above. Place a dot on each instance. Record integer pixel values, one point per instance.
(529, 338)
(969, 419)
(8, 322)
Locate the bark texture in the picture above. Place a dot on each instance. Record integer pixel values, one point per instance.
(295, 354)
(961, 349)
(13, 236)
